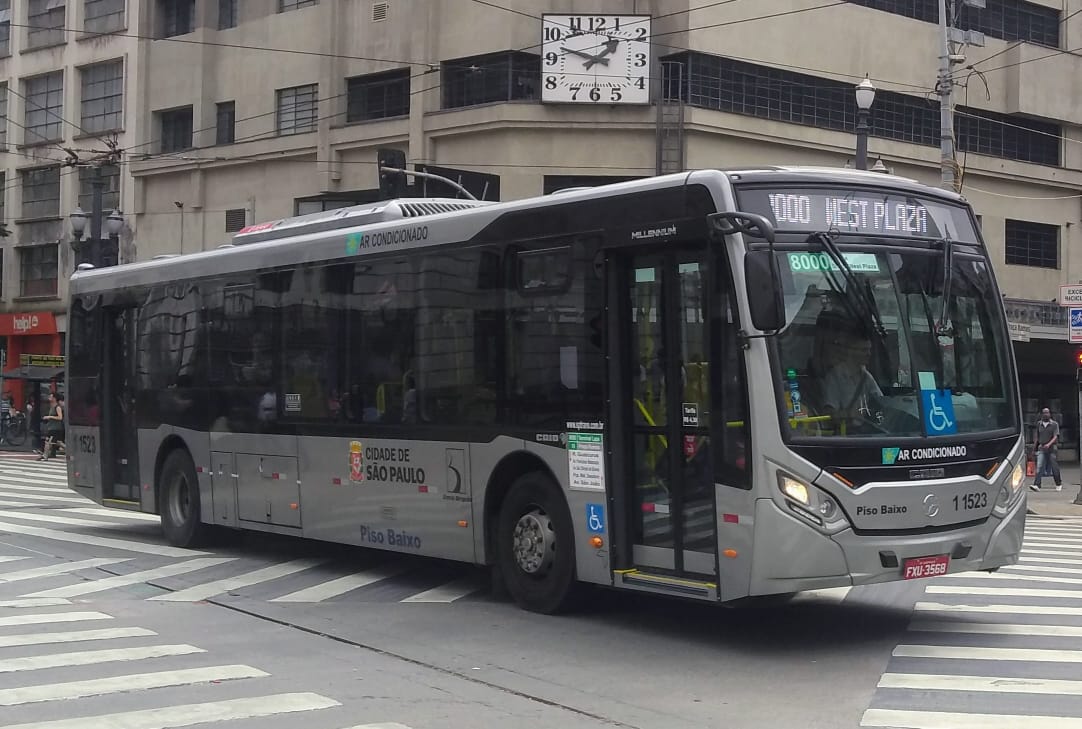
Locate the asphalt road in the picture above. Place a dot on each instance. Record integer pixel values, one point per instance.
(103, 625)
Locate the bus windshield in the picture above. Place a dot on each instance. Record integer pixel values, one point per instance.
(873, 351)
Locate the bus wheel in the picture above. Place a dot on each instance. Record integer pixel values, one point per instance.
(535, 545)
(179, 506)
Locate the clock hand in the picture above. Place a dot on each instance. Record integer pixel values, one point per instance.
(592, 59)
(610, 46)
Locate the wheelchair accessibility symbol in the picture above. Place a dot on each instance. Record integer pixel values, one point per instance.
(938, 412)
(595, 519)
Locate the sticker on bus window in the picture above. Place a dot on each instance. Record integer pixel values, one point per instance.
(821, 261)
(356, 462)
(293, 402)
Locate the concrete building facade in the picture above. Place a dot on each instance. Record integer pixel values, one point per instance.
(65, 97)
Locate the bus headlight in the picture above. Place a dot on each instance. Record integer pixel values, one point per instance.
(1017, 477)
(795, 490)
(1004, 497)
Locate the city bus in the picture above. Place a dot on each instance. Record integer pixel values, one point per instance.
(713, 385)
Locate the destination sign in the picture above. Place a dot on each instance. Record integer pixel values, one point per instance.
(859, 212)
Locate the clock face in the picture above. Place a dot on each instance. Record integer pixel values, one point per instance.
(595, 59)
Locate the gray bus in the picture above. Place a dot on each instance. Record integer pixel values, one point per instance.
(711, 385)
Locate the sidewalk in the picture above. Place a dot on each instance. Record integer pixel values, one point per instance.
(1048, 501)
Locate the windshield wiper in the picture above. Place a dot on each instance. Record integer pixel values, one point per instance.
(942, 328)
(863, 293)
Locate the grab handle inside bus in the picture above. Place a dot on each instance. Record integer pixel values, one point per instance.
(761, 274)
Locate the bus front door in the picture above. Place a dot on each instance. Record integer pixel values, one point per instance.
(119, 444)
(671, 509)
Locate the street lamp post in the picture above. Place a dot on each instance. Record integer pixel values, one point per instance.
(96, 251)
(865, 98)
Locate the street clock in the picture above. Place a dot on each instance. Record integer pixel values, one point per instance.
(595, 59)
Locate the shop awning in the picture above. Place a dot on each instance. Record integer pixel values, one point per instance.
(35, 372)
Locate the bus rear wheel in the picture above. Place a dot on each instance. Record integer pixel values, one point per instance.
(535, 550)
(180, 508)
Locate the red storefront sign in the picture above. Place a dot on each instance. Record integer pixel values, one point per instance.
(38, 322)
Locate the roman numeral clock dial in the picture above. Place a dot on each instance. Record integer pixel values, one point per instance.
(595, 59)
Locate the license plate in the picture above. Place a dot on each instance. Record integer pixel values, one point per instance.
(926, 566)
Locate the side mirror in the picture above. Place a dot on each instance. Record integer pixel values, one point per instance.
(763, 280)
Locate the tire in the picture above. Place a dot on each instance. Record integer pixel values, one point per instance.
(535, 547)
(179, 501)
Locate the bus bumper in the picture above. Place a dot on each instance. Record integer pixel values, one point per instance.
(792, 556)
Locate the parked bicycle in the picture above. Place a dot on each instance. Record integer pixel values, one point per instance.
(14, 429)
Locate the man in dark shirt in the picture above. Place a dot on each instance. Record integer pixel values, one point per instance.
(1045, 446)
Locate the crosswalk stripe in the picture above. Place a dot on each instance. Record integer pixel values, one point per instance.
(1052, 542)
(19, 482)
(342, 585)
(56, 518)
(42, 618)
(209, 589)
(132, 578)
(36, 602)
(998, 609)
(936, 626)
(449, 592)
(896, 718)
(28, 497)
(1001, 576)
(985, 653)
(189, 714)
(118, 513)
(1041, 568)
(1005, 591)
(1049, 560)
(995, 684)
(72, 636)
(56, 569)
(1051, 552)
(132, 682)
(126, 545)
(11, 559)
(13, 504)
(87, 658)
(51, 475)
(384, 725)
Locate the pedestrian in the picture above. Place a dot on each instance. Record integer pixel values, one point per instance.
(1045, 446)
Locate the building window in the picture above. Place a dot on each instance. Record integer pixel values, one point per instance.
(287, 5)
(110, 192)
(5, 27)
(44, 97)
(297, 109)
(38, 269)
(766, 92)
(103, 16)
(45, 23)
(378, 95)
(504, 76)
(235, 219)
(1031, 244)
(41, 192)
(176, 129)
(176, 17)
(227, 14)
(226, 128)
(1011, 20)
(103, 97)
(3, 116)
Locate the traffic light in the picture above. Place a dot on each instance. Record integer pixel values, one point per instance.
(391, 185)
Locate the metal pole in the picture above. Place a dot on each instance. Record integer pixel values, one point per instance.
(862, 139)
(97, 185)
(946, 110)
(429, 176)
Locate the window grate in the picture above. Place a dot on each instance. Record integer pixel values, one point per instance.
(1031, 244)
(378, 95)
(380, 11)
(235, 219)
(297, 109)
(737, 87)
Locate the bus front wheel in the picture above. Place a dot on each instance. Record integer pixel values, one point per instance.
(179, 494)
(535, 549)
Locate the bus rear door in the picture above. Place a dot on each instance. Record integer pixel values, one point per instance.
(119, 447)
